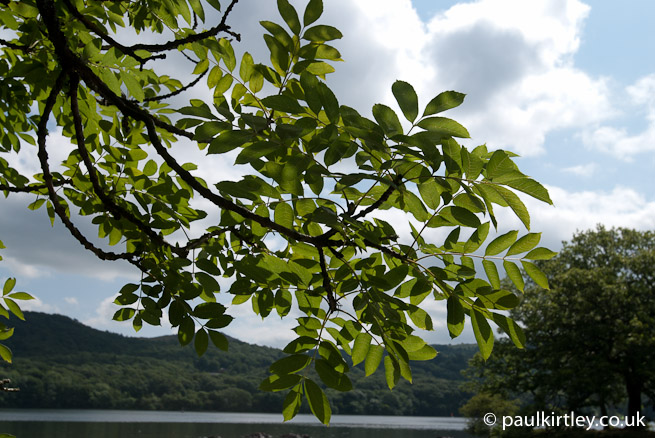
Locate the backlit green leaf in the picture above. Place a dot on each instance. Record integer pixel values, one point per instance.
(318, 402)
(201, 342)
(492, 273)
(483, 333)
(444, 126)
(321, 33)
(361, 347)
(373, 358)
(536, 274)
(455, 316)
(444, 101)
(407, 99)
(514, 274)
(292, 403)
(501, 243)
(313, 11)
(524, 244)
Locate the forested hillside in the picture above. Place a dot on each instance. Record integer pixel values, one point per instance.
(60, 363)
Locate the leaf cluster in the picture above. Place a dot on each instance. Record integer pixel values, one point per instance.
(304, 228)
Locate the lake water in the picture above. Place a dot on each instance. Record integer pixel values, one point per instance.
(47, 423)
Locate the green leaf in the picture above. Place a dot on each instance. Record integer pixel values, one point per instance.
(515, 204)
(477, 238)
(290, 364)
(318, 401)
(201, 342)
(444, 126)
(492, 273)
(483, 333)
(124, 314)
(500, 165)
(331, 377)
(421, 319)
(373, 358)
(300, 345)
(186, 330)
(511, 328)
(133, 86)
(289, 15)
(501, 243)
(283, 214)
(219, 340)
(430, 192)
(292, 403)
(536, 274)
(514, 274)
(279, 383)
(532, 188)
(329, 102)
(361, 347)
(455, 317)
(247, 67)
(5, 353)
(313, 11)
(9, 286)
(322, 33)
(6, 333)
(281, 102)
(387, 119)
(444, 101)
(540, 254)
(208, 310)
(407, 99)
(524, 244)
(391, 371)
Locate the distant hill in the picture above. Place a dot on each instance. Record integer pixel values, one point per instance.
(61, 363)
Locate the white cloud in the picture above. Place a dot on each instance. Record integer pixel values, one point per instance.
(583, 170)
(583, 210)
(618, 141)
(72, 301)
(37, 305)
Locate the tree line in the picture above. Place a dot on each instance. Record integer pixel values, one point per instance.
(60, 363)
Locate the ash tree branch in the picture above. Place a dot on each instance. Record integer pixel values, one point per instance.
(170, 45)
(69, 61)
(117, 210)
(33, 187)
(15, 46)
(42, 133)
(176, 92)
(327, 285)
(109, 40)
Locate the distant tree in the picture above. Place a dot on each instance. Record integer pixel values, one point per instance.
(305, 225)
(591, 338)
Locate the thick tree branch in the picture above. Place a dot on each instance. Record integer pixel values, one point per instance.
(42, 133)
(70, 61)
(14, 46)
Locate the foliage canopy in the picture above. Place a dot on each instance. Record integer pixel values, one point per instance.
(303, 228)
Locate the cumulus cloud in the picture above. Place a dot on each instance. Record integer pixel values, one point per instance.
(618, 141)
(582, 170)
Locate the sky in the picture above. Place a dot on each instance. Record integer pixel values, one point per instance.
(567, 84)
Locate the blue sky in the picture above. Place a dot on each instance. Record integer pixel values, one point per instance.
(569, 85)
